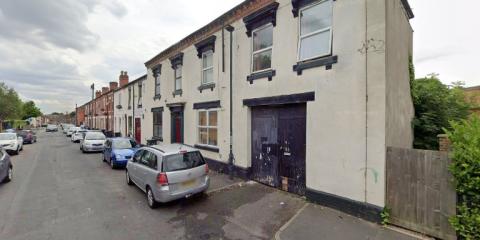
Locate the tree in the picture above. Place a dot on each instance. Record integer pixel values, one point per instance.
(10, 103)
(30, 110)
(435, 106)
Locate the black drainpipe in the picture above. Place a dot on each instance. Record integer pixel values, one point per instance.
(231, 158)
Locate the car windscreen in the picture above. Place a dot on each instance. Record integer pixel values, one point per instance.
(7, 136)
(182, 161)
(95, 136)
(121, 144)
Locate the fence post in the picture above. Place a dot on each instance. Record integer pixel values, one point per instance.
(444, 145)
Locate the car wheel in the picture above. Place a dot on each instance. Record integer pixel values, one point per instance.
(21, 148)
(112, 164)
(16, 151)
(151, 199)
(9, 176)
(127, 176)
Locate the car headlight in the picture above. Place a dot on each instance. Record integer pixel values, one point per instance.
(12, 144)
(118, 156)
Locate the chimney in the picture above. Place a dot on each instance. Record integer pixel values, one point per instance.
(113, 85)
(123, 79)
(98, 94)
(104, 90)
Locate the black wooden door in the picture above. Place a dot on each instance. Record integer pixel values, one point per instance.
(264, 146)
(279, 145)
(292, 147)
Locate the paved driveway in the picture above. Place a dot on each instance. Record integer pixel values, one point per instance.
(60, 193)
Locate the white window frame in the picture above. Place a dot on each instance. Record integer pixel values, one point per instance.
(300, 36)
(157, 84)
(261, 50)
(207, 68)
(176, 77)
(207, 126)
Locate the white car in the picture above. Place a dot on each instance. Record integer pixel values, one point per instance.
(11, 142)
(66, 127)
(93, 142)
(71, 130)
(78, 135)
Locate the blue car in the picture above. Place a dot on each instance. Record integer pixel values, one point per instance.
(118, 151)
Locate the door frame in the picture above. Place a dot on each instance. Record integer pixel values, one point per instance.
(139, 130)
(176, 110)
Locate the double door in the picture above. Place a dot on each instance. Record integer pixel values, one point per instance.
(279, 146)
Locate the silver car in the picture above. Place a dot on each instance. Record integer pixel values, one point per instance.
(6, 168)
(93, 142)
(168, 172)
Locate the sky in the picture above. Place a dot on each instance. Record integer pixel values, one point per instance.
(51, 51)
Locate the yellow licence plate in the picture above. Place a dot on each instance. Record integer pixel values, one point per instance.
(188, 183)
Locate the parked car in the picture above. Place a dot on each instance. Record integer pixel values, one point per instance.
(71, 130)
(6, 167)
(118, 151)
(78, 135)
(28, 136)
(66, 127)
(51, 128)
(168, 172)
(11, 142)
(93, 141)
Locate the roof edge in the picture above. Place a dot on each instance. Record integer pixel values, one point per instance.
(407, 7)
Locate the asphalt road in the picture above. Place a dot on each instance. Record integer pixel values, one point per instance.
(59, 193)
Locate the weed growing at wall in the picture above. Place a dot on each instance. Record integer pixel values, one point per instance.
(465, 138)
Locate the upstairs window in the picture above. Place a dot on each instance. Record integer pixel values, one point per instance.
(156, 75)
(157, 85)
(207, 67)
(129, 98)
(262, 42)
(140, 93)
(178, 77)
(315, 31)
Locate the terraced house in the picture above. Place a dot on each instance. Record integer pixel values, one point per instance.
(319, 89)
(129, 111)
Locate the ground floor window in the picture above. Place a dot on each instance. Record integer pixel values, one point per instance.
(157, 124)
(130, 123)
(208, 127)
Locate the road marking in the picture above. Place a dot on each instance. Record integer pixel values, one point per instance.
(277, 234)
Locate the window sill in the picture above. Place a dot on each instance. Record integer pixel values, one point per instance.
(119, 106)
(177, 92)
(210, 86)
(318, 62)
(207, 148)
(157, 97)
(259, 75)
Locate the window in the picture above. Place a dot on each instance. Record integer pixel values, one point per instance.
(129, 98)
(129, 125)
(157, 83)
(157, 124)
(120, 99)
(207, 67)
(262, 46)
(315, 31)
(207, 127)
(182, 161)
(140, 87)
(178, 77)
(149, 159)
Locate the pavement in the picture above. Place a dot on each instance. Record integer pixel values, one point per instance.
(322, 223)
(59, 193)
